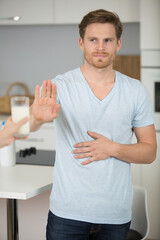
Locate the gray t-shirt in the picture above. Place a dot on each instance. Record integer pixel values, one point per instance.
(100, 192)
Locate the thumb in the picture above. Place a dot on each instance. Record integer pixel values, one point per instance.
(22, 122)
(94, 134)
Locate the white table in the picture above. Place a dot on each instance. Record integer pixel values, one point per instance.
(22, 182)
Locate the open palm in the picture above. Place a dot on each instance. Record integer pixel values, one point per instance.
(45, 107)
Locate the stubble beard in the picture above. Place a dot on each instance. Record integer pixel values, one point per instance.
(99, 63)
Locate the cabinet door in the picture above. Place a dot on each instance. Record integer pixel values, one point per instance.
(31, 12)
(72, 11)
(150, 20)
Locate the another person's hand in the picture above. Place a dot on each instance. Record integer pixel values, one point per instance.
(9, 130)
(45, 107)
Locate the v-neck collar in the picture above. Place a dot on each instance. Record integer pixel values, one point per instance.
(91, 92)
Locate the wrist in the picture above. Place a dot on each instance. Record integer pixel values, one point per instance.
(115, 149)
(35, 123)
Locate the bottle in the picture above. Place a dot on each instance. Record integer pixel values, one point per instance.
(8, 154)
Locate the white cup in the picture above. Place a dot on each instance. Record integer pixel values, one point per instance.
(20, 110)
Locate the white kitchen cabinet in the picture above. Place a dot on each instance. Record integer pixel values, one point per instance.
(63, 11)
(72, 11)
(30, 11)
(150, 20)
(43, 139)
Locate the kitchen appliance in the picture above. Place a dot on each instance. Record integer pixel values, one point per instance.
(150, 75)
(40, 157)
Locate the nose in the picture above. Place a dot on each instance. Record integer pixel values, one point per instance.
(100, 46)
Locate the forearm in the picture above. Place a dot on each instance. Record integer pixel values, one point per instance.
(134, 153)
(102, 148)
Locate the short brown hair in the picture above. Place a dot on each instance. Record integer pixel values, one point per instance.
(101, 16)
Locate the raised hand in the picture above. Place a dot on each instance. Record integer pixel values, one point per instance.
(98, 149)
(45, 107)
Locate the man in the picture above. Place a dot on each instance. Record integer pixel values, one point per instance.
(96, 111)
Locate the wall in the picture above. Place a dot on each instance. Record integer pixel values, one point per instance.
(31, 54)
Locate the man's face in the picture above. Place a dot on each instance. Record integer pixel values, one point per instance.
(100, 44)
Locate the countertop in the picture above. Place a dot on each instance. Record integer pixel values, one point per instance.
(25, 181)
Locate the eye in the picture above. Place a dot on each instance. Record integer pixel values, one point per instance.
(92, 40)
(107, 40)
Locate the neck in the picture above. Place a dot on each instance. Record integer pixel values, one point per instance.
(98, 75)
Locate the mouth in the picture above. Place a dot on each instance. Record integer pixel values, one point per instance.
(100, 55)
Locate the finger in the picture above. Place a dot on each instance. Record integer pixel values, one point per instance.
(94, 134)
(37, 92)
(90, 160)
(20, 138)
(43, 92)
(81, 150)
(82, 155)
(83, 144)
(22, 122)
(10, 118)
(49, 88)
(57, 108)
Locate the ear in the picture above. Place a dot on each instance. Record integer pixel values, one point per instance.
(81, 45)
(119, 44)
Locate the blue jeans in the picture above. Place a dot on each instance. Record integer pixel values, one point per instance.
(66, 229)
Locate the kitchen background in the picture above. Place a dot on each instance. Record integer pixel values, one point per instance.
(44, 43)
(31, 54)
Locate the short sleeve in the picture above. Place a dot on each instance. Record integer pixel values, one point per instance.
(143, 110)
